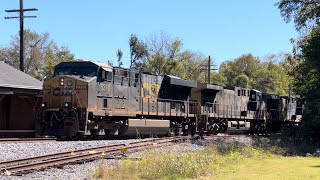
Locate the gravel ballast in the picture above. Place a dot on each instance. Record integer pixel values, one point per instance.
(13, 151)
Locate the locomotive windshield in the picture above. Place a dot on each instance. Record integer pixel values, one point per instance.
(76, 70)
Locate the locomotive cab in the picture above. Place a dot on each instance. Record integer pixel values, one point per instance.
(65, 97)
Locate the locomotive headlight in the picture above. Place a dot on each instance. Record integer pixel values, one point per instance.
(66, 104)
(43, 105)
(61, 82)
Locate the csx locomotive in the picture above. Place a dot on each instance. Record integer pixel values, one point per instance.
(89, 98)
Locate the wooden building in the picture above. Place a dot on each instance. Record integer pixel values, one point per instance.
(19, 98)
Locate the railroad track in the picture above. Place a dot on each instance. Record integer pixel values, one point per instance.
(23, 140)
(27, 165)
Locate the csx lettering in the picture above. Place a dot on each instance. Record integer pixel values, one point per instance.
(62, 91)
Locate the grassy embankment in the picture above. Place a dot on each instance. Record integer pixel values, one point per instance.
(230, 161)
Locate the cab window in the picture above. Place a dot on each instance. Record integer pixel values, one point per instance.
(105, 75)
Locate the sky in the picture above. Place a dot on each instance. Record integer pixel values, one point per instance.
(95, 30)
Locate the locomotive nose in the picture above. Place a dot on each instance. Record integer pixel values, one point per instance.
(68, 89)
(64, 92)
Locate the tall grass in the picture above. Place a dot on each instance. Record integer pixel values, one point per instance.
(125, 170)
(174, 165)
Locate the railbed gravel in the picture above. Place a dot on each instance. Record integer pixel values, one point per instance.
(13, 151)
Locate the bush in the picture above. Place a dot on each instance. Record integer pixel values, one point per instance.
(290, 142)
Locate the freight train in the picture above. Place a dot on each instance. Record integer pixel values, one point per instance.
(89, 99)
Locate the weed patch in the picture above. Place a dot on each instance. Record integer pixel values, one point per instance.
(174, 165)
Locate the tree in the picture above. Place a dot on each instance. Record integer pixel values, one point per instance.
(167, 57)
(305, 13)
(246, 64)
(242, 81)
(60, 55)
(163, 53)
(307, 77)
(119, 56)
(6, 55)
(218, 79)
(40, 51)
(249, 71)
(305, 61)
(307, 82)
(192, 66)
(138, 52)
(110, 62)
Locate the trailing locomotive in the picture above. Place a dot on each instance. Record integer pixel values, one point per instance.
(88, 98)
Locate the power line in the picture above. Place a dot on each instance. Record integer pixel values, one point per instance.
(21, 17)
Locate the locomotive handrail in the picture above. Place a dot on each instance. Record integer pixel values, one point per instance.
(224, 105)
(177, 106)
(225, 112)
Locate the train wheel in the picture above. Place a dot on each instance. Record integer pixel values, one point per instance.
(215, 129)
(93, 132)
(223, 126)
(107, 132)
(257, 129)
(185, 132)
(192, 130)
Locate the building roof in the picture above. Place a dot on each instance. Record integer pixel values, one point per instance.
(11, 77)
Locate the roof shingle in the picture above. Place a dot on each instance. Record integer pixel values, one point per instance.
(11, 77)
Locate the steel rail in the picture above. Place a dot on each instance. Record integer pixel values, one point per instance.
(22, 166)
(25, 140)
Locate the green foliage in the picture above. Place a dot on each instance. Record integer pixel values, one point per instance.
(119, 56)
(272, 79)
(164, 55)
(244, 65)
(307, 83)
(249, 71)
(138, 52)
(41, 54)
(306, 13)
(306, 69)
(218, 79)
(59, 55)
(241, 81)
(190, 65)
(38, 50)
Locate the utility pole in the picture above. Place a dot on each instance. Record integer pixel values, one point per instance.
(209, 69)
(21, 17)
